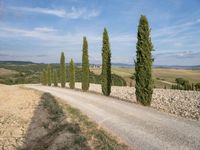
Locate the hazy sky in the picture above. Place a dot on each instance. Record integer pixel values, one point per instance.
(38, 30)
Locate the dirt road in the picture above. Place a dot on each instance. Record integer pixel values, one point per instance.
(141, 127)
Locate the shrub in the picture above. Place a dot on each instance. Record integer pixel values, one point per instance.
(197, 86)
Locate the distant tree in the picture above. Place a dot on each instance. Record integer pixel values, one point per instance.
(106, 65)
(55, 76)
(85, 66)
(72, 74)
(143, 64)
(62, 70)
(49, 74)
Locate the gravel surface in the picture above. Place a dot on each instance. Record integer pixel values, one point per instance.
(181, 103)
(141, 127)
(17, 108)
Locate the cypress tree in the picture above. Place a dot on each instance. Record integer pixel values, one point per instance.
(143, 64)
(85, 66)
(55, 76)
(106, 65)
(58, 75)
(72, 74)
(45, 77)
(41, 78)
(52, 75)
(62, 70)
(49, 75)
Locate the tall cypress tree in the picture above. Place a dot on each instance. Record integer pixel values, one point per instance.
(52, 75)
(41, 78)
(62, 70)
(85, 66)
(72, 74)
(55, 76)
(106, 65)
(45, 76)
(49, 74)
(143, 64)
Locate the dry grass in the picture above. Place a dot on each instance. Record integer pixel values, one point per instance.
(171, 74)
(7, 72)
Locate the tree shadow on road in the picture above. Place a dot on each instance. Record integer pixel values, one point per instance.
(50, 128)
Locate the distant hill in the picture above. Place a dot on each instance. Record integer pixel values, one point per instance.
(158, 66)
(123, 65)
(16, 62)
(178, 67)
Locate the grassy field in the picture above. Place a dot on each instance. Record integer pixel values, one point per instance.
(162, 76)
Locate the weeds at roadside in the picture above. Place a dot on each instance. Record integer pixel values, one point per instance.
(74, 128)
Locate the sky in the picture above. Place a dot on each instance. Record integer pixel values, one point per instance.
(39, 30)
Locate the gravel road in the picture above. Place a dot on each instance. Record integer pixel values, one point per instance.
(141, 127)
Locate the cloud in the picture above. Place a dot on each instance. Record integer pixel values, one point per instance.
(175, 30)
(41, 55)
(45, 29)
(12, 55)
(39, 32)
(51, 35)
(73, 13)
(4, 55)
(47, 11)
(179, 55)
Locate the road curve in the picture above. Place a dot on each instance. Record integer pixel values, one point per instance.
(141, 127)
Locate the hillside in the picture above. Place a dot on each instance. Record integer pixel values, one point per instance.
(30, 73)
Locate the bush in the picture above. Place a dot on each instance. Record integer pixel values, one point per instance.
(197, 86)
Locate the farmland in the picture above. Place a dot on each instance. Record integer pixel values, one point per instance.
(162, 76)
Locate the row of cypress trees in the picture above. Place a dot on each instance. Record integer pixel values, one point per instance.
(49, 76)
(46, 77)
(143, 66)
